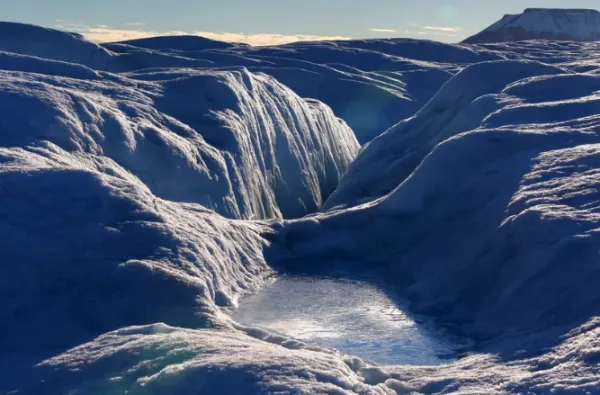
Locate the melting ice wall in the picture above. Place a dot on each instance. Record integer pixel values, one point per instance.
(239, 143)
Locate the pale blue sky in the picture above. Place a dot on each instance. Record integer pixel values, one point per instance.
(276, 19)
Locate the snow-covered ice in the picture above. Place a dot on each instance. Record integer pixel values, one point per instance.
(145, 191)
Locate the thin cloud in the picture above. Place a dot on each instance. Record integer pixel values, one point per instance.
(135, 24)
(263, 39)
(443, 29)
(437, 33)
(377, 30)
(104, 34)
(101, 34)
(71, 26)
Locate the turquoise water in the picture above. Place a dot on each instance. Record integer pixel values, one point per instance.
(352, 316)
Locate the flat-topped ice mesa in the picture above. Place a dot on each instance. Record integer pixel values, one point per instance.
(543, 24)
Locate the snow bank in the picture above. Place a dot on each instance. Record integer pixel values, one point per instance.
(88, 249)
(66, 47)
(569, 368)
(418, 50)
(460, 105)
(176, 43)
(160, 359)
(51, 44)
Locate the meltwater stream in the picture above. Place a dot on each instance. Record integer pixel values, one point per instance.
(351, 316)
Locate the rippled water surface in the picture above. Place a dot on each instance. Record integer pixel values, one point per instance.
(352, 316)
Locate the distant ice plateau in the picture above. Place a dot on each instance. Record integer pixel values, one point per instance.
(543, 24)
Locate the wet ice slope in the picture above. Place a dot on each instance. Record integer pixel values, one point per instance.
(233, 141)
(119, 268)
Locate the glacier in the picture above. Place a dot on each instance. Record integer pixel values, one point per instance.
(148, 187)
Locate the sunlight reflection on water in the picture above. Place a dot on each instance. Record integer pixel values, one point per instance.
(352, 316)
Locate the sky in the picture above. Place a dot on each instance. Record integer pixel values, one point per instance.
(265, 22)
